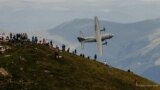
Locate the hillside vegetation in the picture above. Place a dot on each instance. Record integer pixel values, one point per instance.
(33, 67)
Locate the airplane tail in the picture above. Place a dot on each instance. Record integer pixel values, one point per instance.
(81, 34)
(81, 39)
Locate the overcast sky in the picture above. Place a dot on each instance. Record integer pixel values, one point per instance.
(19, 15)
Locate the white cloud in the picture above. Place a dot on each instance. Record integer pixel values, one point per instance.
(154, 42)
(151, 0)
(64, 10)
(1, 1)
(157, 62)
(45, 1)
(139, 63)
(105, 10)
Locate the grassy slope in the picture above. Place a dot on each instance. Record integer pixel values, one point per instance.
(42, 72)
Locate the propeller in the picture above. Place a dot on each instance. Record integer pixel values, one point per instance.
(105, 43)
(104, 29)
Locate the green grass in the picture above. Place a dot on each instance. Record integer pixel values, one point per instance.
(42, 72)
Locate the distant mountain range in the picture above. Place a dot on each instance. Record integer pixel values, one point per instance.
(135, 46)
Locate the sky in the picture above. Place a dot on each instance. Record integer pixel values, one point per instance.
(37, 15)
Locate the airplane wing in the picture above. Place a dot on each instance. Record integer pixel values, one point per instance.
(98, 36)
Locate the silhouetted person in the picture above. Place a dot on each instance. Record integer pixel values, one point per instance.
(95, 57)
(26, 36)
(47, 44)
(63, 47)
(75, 51)
(68, 50)
(18, 37)
(51, 43)
(7, 38)
(40, 42)
(11, 36)
(128, 70)
(36, 39)
(33, 39)
(83, 55)
(88, 57)
(44, 41)
(13, 39)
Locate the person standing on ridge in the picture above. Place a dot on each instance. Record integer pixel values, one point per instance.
(95, 57)
(63, 47)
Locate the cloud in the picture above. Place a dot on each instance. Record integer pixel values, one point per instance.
(139, 63)
(105, 10)
(157, 62)
(44, 1)
(54, 12)
(151, 0)
(2, 1)
(72, 4)
(154, 40)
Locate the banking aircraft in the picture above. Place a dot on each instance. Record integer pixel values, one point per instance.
(99, 38)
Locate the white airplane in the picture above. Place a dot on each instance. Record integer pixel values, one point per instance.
(99, 38)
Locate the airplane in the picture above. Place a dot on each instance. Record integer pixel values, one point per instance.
(101, 39)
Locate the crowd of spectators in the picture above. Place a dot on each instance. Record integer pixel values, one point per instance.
(21, 38)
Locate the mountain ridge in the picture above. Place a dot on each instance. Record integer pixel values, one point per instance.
(33, 66)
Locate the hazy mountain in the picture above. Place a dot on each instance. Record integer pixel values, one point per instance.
(135, 46)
